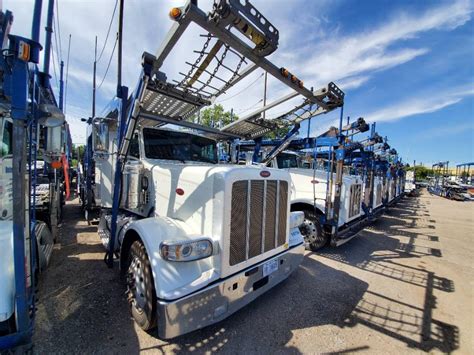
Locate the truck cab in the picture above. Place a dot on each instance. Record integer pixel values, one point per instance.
(197, 239)
(309, 184)
(217, 232)
(43, 236)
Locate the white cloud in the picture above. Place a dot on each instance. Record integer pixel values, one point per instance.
(364, 53)
(350, 60)
(353, 82)
(422, 104)
(447, 131)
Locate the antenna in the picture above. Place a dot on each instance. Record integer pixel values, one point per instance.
(265, 94)
(93, 79)
(67, 72)
(119, 66)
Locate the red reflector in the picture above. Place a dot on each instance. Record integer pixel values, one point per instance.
(314, 181)
(180, 191)
(265, 173)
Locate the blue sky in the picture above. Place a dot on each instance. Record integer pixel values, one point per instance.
(407, 65)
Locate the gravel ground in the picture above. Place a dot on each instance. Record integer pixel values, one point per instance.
(404, 285)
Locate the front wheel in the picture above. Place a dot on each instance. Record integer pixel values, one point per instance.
(140, 288)
(312, 231)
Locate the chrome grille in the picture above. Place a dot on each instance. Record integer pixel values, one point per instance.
(258, 218)
(283, 190)
(354, 201)
(270, 218)
(238, 224)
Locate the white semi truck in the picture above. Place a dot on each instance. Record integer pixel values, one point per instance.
(309, 194)
(410, 185)
(328, 192)
(45, 198)
(28, 110)
(197, 240)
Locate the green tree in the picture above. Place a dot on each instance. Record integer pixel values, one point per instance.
(215, 116)
(278, 133)
(421, 172)
(78, 152)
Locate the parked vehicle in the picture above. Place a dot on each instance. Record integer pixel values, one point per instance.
(33, 133)
(196, 240)
(327, 184)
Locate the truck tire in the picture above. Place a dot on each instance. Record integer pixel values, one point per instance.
(312, 231)
(140, 287)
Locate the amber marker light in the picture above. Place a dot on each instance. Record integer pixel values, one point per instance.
(175, 13)
(56, 164)
(24, 51)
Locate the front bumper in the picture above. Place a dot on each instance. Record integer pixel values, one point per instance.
(218, 301)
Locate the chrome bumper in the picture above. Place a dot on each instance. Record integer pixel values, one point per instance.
(220, 300)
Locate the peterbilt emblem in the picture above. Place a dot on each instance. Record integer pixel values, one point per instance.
(265, 173)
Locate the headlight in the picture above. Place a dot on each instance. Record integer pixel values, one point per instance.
(296, 219)
(188, 250)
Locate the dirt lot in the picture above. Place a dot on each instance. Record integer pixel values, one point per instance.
(404, 285)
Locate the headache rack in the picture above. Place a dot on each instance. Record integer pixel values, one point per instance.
(236, 42)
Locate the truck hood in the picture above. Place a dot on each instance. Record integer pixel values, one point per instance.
(202, 196)
(195, 192)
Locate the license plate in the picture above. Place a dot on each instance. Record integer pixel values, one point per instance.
(270, 267)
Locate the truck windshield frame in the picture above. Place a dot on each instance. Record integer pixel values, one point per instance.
(182, 146)
(287, 161)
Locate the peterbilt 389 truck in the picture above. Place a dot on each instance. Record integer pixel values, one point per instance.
(309, 194)
(195, 239)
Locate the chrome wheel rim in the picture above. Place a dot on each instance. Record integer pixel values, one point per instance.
(136, 284)
(309, 230)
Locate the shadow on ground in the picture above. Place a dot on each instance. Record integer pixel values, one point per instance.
(83, 309)
(378, 250)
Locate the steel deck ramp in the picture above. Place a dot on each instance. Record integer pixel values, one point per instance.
(254, 125)
(158, 102)
(163, 99)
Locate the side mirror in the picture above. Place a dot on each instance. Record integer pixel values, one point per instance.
(100, 136)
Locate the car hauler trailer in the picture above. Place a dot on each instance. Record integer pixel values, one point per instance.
(28, 111)
(196, 240)
(322, 186)
(464, 174)
(390, 157)
(438, 180)
(465, 179)
(442, 185)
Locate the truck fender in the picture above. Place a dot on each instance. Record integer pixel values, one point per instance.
(301, 205)
(172, 280)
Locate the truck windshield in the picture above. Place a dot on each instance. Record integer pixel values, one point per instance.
(171, 145)
(286, 161)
